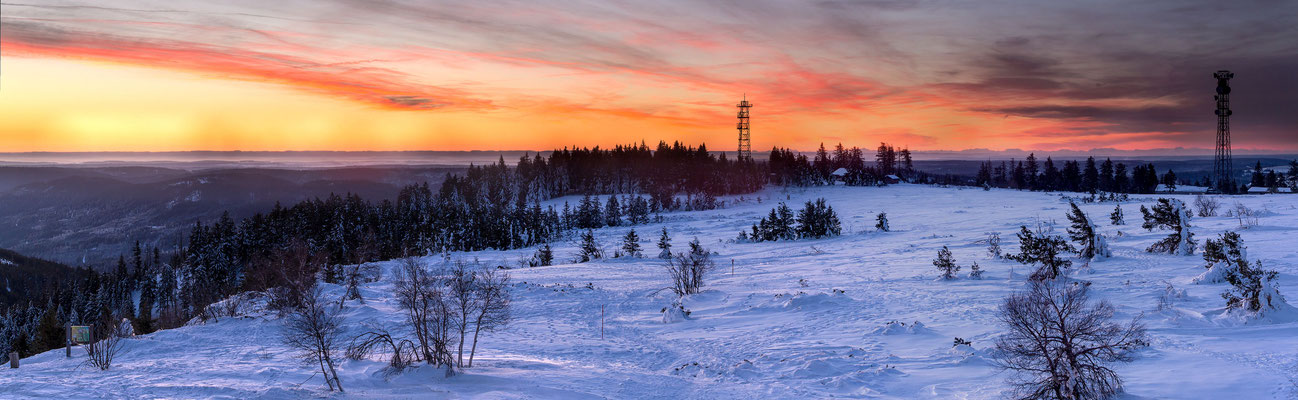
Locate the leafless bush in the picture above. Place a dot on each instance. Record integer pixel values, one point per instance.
(687, 269)
(492, 294)
(428, 312)
(1246, 216)
(1060, 346)
(287, 275)
(100, 353)
(313, 330)
(1206, 206)
(401, 352)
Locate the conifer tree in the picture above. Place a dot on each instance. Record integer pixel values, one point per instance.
(612, 212)
(881, 222)
(946, 264)
(589, 247)
(544, 256)
(665, 245)
(1223, 257)
(1170, 214)
(631, 244)
(1090, 244)
(1042, 250)
(1116, 216)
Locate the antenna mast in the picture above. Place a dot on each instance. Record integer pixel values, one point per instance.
(1223, 176)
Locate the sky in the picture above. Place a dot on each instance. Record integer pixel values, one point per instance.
(178, 75)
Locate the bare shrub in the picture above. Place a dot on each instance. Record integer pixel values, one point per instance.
(1206, 206)
(420, 294)
(687, 269)
(1060, 346)
(1246, 216)
(377, 340)
(100, 353)
(313, 330)
(492, 294)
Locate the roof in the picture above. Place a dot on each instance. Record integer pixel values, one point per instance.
(839, 172)
(1263, 189)
(893, 177)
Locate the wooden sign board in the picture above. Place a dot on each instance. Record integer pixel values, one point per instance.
(80, 334)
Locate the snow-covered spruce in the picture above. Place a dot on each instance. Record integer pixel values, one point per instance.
(1170, 214)
(1090, 243)
(665, 245)
(1253, 291)
(1042, 250)
(1116, 217)
(881, 222)
(1223, 257)
(815, 220)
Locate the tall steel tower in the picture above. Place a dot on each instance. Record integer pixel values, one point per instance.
(1223, 176)
(745, 137)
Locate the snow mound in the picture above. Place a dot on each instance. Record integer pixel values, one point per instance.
(818, 301)
(902, 328)
(675, 313)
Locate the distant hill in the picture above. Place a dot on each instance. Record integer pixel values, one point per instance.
(90, 215)
(23, 277)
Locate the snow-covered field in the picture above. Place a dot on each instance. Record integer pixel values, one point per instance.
(800, 319)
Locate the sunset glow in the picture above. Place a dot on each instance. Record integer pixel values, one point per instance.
(394, 75)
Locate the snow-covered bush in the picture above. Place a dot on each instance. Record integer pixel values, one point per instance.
(881, 222)
(1060, 345)
(1246, 216)
(1223, 257)
(1090, 244)
(675, 313)
(1253, 290)
(945, 264)
(543, 257)
(1041, 250)
(1170, 214)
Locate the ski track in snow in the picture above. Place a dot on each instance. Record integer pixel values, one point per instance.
(798, 319)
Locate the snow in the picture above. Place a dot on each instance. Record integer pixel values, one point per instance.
(6, 261)
(859, 315)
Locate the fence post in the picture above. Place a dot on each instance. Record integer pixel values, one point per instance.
(67, 340)
(13, 360)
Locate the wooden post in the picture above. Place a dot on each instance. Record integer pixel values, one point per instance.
(601, 322)
(732, 266)
(13, 360)
(67, 340)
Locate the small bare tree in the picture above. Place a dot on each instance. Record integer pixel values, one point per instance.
(313, 330)
(100, 353)
(1207, 206)
(493, 304)
(1060, 346)
(461, 285)
(687, 269)
(420, 294)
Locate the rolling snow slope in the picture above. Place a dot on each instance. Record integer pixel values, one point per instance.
(798, 319)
